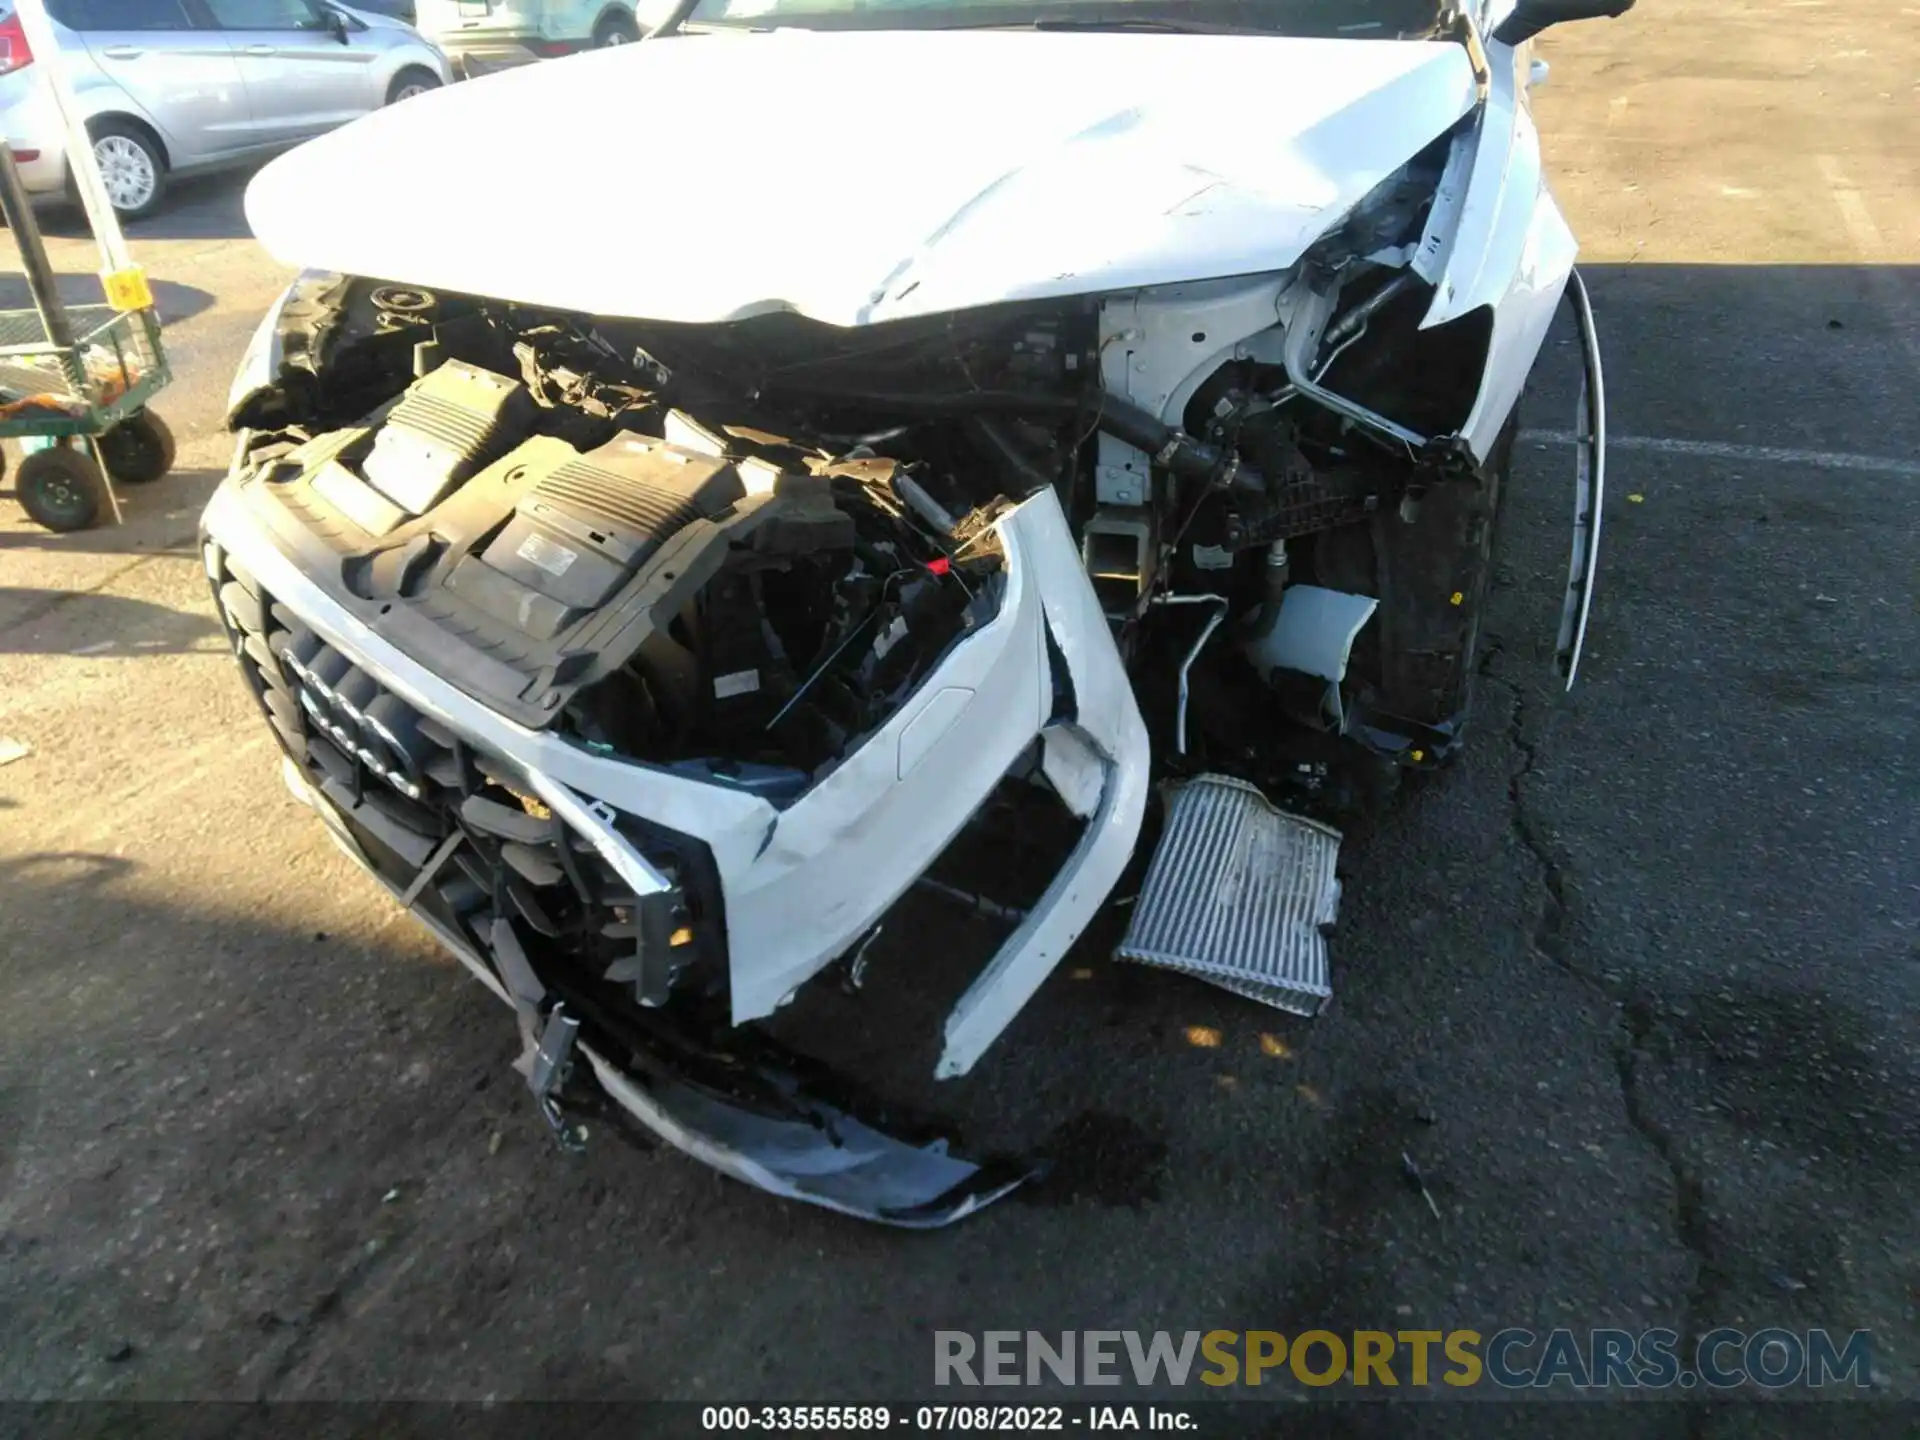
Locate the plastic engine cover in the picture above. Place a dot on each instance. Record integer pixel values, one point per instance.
(589, 526)
(448, 427)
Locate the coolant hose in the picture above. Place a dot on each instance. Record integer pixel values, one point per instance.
(1176, 450)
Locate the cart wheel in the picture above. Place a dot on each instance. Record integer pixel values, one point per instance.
(60, 489)
(139, 450)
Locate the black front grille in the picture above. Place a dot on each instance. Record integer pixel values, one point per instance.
(406, 786)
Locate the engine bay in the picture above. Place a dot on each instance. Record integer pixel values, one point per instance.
(738, 548)
(685, 596)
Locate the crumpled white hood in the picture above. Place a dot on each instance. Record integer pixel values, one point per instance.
(863, 177)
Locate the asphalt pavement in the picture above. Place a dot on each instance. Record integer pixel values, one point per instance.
(1634, 986)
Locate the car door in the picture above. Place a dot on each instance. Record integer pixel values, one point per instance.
(302, 77)
(172, 65)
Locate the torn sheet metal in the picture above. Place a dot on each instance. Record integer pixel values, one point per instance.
(1237, 894)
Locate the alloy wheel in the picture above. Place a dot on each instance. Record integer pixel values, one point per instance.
(127, 171)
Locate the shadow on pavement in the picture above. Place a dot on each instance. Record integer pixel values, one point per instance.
(117, 625)
(174, 301)
(151, 516)
(1815, 357)
(201, 207)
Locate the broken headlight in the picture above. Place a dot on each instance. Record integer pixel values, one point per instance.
(260, 363)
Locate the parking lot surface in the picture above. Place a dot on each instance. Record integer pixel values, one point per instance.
(1634, 986)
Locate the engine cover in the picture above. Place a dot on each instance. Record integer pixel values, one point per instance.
(588, 527)
(525, 569)
(447, 427)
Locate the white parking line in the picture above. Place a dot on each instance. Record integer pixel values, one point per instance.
(1852, 206)
(1871, 246)
(1752, 454)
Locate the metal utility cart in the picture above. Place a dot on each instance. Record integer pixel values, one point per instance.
(77, 380)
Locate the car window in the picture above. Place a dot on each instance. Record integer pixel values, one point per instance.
(267, 15)
(121, 14)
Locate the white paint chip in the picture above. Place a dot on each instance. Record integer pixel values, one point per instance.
(12, 749)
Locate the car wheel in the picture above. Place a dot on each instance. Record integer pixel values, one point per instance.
(60, 488)
(615, 30)
(131, 166)
(139, 450)
(411, 82)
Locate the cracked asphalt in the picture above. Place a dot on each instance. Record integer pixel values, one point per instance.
(1634, 985)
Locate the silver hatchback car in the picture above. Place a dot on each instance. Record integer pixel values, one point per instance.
(169, 87)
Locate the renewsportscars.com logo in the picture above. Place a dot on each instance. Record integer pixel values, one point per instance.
(1510, 1359)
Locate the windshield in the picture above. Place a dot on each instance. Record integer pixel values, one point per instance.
(1343, 19)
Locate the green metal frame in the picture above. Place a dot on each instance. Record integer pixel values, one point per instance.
(130, 343)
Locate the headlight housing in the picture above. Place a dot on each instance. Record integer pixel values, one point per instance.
(260, 362)
(265, 355)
